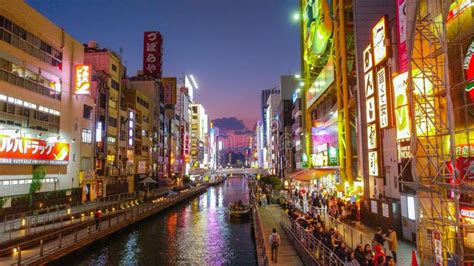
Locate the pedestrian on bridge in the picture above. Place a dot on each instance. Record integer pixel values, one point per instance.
(97, 217)
(274, 243)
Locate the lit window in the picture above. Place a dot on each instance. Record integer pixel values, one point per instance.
(86, 136)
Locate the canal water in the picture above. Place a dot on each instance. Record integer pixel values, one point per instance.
(198, 231)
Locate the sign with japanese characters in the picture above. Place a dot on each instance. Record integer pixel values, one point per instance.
(82, 79)
(169, 86)
(402, 35)
(369, 83)
(152, 53)
(382, 98)
(372, 136)
(370, 109)
(379, 33)
(437, 246)
(368, 58)
(373, 163)
(32, 151)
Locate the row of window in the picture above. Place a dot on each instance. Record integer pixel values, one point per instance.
(14, 182)
(21, 103)
(142, 102)
(24, 117)
(28, 42)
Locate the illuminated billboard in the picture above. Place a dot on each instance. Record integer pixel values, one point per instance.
(317, 20)
(152, 53)
(32, 151)
(402, 118)
(373, 163)
(379, 34)
(82, 80)
(402, 35)
(382, 98)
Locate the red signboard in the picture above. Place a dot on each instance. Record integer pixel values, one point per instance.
(32, 151)
(152, 53)
(169, 90)
(402, 35)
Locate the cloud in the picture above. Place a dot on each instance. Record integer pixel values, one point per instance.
(229, 124)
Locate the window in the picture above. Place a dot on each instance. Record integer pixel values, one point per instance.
(114, 68)
(111, 140)
(195, 109)
(87, 113)
(112, 103)
(112, 122)
(86, 136)
(115, 84)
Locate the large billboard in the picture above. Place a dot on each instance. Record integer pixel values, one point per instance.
(402, 118)
(32, 151)
(169, 90)
(402, 36)
(152, 53)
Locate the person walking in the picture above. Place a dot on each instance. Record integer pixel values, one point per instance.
(378, 237)
(274, 243)
(392, 242)
(97, 216)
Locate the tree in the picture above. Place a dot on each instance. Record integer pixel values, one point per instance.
(39, 173)
(272, 180)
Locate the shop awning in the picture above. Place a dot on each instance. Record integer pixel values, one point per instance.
(309, 175)
(295, 173)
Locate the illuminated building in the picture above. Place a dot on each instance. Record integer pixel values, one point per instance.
(110, 149)
(272, 137)
(152, 89)
(264, 105)
(46, 109)
(199, 135)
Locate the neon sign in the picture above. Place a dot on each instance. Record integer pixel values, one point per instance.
(379, 33)
(83, 79)
(32, 151)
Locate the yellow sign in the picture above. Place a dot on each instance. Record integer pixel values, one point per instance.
(382, 98)
(370, 109)
(379, 33)
(425, 105)
(402, 118)
(372, 137)
(373, 163)
(82, 82)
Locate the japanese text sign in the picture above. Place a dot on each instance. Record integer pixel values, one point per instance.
(382, 98)
(82, 81)
(32, 151)
(379, 33)
(152, 54)
(169, 86)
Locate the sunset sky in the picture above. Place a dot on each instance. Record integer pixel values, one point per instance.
(234, 49)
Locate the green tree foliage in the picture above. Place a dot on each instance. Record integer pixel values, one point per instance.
(272, 180)
(39, 173)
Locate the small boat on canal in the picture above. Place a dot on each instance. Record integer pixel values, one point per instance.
(238, 210)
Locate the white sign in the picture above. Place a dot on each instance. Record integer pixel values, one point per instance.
(141, 167)
(372, 136)
(373, 206)
(373, 163)
(382, 98)
(378, 39)
(438, 247)
(385, 212)
(368, 58)
(370, 109)
(369, 83)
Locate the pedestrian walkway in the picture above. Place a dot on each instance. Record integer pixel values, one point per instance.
(68, 240)
(271, 217)
(30, 223)
(358, 232)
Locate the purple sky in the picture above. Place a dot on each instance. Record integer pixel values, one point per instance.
(234, 48)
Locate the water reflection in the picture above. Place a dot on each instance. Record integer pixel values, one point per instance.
(196, 232)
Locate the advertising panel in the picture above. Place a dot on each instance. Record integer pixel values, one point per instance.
(152, 53)
(317, 27)
(368, 58)
(169, 85)
(372, 137)
(402, 36)
(320, 84)
(379, 34)
(369, 83)
(370, 105)
(402, 118)
(82, 79)
(384, 120)
(32, 151)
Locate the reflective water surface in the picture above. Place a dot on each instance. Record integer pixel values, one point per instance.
(198, 231)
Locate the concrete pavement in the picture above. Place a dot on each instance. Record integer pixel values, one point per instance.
(271, 217)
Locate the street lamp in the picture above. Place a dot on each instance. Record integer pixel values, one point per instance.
(296, 16)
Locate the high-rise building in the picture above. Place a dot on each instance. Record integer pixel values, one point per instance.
(199, 133)
(46, 110)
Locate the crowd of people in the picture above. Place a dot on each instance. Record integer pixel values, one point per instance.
(370, 254)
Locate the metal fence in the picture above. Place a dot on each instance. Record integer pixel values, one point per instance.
(310, 250)
(63, 238)
(259, 236)
(31, 222)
